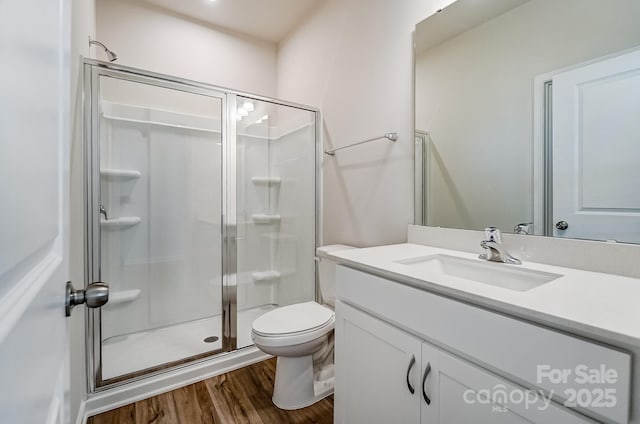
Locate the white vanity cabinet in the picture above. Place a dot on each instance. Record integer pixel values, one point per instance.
(386, 375)
(377, 365)
(388, 334)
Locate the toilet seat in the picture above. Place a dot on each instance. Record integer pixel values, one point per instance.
(293, 324)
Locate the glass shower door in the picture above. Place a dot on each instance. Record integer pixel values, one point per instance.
(156, 221)
(276, 147)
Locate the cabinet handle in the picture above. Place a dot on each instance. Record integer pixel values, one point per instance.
(427, 370)
(411, 364)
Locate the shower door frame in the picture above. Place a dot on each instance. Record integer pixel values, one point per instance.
(92, 71)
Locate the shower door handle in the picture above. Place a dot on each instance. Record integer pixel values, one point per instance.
(94, 296)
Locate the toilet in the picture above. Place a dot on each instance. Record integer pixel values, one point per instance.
(301, 337)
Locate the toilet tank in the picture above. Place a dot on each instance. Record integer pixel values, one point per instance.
(327, 272)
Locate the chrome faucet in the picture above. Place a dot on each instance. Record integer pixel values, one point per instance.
(495, 251)
(103, 211)
(524, 228)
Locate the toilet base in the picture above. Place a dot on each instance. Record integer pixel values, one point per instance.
(294, 385)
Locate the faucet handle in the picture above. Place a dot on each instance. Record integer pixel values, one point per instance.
(524, 228)
(493, 234)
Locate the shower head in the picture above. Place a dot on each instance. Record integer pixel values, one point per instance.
(110, 54)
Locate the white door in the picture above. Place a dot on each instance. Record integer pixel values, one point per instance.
(34, 155)
(377, 371)
(596, 150)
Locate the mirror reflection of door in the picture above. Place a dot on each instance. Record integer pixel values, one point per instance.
(481, 73)
(596, 150)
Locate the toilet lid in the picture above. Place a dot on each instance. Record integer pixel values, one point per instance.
(297, 318)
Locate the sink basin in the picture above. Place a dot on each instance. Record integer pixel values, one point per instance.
(512, 277)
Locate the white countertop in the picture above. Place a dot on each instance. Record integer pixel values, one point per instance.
(600, 306)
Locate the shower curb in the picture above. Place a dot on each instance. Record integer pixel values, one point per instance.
(142, 389)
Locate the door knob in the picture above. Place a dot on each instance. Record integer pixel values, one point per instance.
(562, 225)
(94, 296)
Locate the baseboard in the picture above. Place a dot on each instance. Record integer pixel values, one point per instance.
(81, 418)
(152, 386)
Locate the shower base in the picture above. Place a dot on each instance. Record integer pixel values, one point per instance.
(147, 349)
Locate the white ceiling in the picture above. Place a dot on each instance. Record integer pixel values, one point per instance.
(458, 17)
(270, 20)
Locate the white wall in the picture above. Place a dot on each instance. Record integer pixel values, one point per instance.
(353, 59)
(147, 37)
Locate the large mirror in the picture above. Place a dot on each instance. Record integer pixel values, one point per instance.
(527, 117)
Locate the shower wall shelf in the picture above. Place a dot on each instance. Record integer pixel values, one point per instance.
(120, 174)
(279, 236)
(120, 223)
(265, 276)
(203, 218)
(125, 296)
(265, 219)
(268, 181)
(278, 134)
(161, 124)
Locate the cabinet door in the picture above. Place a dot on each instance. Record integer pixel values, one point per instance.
(377, 368)
(462, 393)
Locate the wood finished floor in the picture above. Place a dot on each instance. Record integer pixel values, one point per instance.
(241, 396)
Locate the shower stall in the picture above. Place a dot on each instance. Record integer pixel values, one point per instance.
(201, 215)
